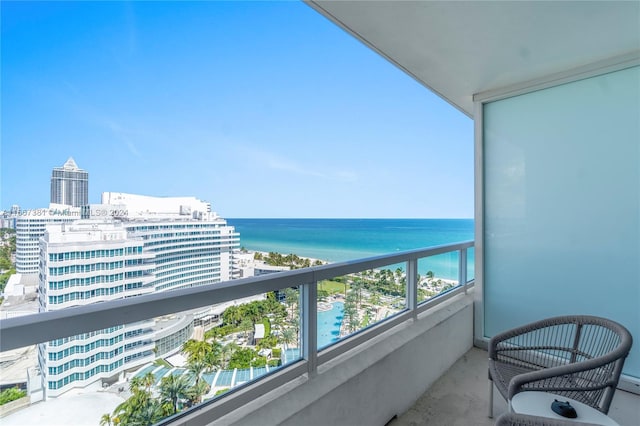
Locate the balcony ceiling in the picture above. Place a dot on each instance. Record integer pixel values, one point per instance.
(459, 48)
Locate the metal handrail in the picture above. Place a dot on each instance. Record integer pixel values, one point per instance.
(45, 326)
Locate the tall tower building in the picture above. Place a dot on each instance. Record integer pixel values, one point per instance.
(70, 185)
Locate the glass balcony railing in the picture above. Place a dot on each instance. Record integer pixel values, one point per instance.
(278, 326)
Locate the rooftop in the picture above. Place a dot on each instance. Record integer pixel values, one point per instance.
(70, 164)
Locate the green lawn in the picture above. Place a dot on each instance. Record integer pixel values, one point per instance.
(331, 286)
(162, 362)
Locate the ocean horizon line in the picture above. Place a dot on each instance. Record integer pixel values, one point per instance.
(336, 240)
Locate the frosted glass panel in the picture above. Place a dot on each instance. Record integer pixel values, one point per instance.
(562, 205)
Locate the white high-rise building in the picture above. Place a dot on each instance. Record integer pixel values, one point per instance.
(144, 206)
(179, 244)
(192, 245)
(88, 262)
(188, 252)
(30, 226)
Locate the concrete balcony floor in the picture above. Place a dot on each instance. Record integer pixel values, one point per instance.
(461, 397)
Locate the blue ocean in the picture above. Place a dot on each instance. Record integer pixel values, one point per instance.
(336, 240)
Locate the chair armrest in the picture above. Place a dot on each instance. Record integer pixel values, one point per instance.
(627, 340)
(514, 332)
(519, 381)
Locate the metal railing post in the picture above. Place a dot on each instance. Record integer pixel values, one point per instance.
(462, 269)
(309, 319)
(412, 286)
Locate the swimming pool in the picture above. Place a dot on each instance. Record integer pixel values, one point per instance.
(329, 323)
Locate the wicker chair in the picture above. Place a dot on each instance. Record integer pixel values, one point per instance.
(580, 357)
(513, 419)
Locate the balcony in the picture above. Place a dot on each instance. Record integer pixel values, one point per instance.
(460, 398)
(555, 191)
(411, 312)
(424, 352)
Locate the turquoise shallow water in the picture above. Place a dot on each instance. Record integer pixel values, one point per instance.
(329, 324)
(338, 240)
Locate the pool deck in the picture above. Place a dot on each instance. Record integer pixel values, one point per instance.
(77, 407)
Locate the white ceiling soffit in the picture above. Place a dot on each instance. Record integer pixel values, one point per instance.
(460, 48)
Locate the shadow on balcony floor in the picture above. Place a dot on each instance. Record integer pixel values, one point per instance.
(460, 398)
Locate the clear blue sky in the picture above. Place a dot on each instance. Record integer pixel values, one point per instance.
(264, 109)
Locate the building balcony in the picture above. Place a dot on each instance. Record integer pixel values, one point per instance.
(460, 397)
(418, 364)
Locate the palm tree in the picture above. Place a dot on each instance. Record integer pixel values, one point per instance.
(232, 315)
(375, 301)
(350, 312)
(214, 356)
(245, 326)
(140, 408)
(291, 299)
(173, 388)
(135, 383)
(225, 354)
(252, 312)
(398, 274)
(279, 315)
(198, 367)
(150, 413)
(148, 380)
(295, 323)
(288, 336)
(357, 287)
(106, 420)
(354, 322)
(195, 349)
(196, 392)
(207, 352)
(271, 302)
(123, 411)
